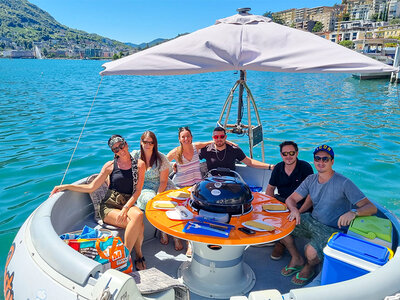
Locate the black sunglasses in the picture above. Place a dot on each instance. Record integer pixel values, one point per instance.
(117, 148)
(291, 153)
(148, 142)
(324, 158)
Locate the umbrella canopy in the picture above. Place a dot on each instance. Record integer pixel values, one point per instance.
(245, 42)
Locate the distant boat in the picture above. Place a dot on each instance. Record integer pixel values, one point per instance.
(380, 55)
(37, 53)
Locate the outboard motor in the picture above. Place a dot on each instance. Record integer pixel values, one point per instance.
(223, 192)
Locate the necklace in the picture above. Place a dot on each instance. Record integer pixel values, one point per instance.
(216, 154)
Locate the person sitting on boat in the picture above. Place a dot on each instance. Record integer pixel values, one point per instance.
(332, 196)
(126, 177)
(286, 178)
(156, 178)
(220, 154)
(187, 162)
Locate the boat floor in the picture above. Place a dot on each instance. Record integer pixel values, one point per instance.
(267, 271)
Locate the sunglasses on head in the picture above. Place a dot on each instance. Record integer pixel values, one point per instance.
(291, 153)
(324, 158)
(216, 137)
(148, 142)
(117, 148)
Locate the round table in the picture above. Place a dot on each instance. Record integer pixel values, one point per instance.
(217, 269)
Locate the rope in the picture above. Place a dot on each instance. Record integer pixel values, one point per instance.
(87, 118)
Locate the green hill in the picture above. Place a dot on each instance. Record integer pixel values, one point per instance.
(22, 23)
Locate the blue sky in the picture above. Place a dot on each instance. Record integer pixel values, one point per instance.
(140, 21)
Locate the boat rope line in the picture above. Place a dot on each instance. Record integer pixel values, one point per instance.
(83, 128)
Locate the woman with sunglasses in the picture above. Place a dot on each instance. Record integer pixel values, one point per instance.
(156, 178)
(125, 177)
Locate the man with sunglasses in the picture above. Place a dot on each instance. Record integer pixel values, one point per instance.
(333, 197)
(219, 154)
(286, 178)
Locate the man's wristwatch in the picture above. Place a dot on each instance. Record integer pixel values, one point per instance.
(355, 211)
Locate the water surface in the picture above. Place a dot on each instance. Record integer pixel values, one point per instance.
(44, 104)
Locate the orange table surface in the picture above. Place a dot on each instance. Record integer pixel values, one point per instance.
(283, 227)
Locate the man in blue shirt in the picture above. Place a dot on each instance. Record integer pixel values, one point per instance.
(332, 196)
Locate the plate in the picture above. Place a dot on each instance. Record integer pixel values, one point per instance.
(164, 204)
(177, 198)
(255, 228)
(275, 211)
(179, 213)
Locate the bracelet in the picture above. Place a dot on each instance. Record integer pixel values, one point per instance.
(126, 206)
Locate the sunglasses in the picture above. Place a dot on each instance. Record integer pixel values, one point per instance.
(117, 148)
(291, 153)
(221, 136)
(148, 142)
(324, 158)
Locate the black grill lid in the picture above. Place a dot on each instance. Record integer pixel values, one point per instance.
(222, 193)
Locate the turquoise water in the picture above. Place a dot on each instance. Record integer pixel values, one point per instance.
(44, 103)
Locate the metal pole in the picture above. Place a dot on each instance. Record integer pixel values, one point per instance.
(240, 103)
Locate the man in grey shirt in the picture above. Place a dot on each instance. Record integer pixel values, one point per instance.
(332, 196)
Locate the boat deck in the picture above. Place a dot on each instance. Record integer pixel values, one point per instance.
(267, 271)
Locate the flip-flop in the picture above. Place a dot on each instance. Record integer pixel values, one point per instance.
(303, 280)
(292, 270)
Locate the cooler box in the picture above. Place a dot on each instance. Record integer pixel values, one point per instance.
(348, 257)
(372, 229)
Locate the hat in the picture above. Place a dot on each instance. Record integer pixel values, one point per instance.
(325, 148)
(115, 139)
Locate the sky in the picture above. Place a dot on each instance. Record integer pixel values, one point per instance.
(139, 21)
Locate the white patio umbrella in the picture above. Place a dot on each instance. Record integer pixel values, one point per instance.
(245, 42)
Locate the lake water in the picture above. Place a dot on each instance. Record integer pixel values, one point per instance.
(44, 103)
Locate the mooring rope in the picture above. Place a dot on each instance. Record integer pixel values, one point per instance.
(84, 125)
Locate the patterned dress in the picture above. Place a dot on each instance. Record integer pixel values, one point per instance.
(152, 180)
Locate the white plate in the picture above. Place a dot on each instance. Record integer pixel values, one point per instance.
(177, 198)
(161, 202)
(179, 213)
(255, 228)
(275, 211)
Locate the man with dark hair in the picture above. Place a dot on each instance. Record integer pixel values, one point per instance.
(286, 178)
(222, 155)
(333, 197)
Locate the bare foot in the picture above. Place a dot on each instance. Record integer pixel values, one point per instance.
(178, 244)
(164, 238)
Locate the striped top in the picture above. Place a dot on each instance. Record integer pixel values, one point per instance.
(188, 173)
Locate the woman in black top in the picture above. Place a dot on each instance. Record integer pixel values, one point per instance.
(126, 177)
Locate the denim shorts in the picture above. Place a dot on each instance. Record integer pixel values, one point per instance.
(314, 230)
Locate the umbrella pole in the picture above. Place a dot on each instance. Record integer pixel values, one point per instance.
(255, 133)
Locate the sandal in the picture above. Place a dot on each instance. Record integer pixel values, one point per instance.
(302, 280)
(140, 261)
(278, 251)
(287, 271)
(164, 238)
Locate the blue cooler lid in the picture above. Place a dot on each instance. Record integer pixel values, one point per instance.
(362, 249)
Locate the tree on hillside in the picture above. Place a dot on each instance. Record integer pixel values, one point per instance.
(268, 14)
(318, 27)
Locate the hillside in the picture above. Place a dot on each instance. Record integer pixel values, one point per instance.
(22, 24)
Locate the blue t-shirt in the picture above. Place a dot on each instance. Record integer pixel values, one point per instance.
(330, 199)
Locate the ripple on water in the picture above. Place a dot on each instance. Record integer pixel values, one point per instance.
(44, 104)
